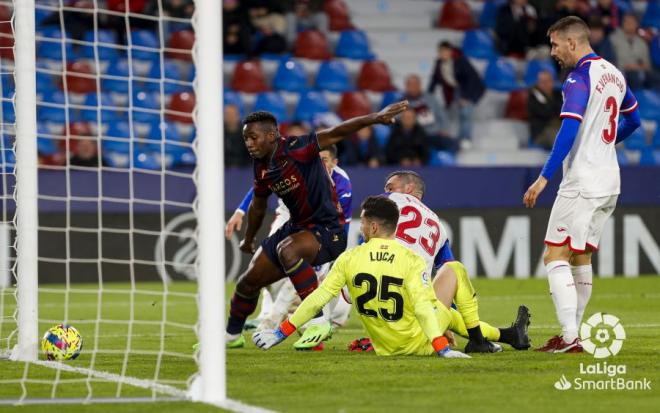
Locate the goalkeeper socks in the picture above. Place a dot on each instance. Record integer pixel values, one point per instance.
(564, 296)
(475, 335)
(457, 325)
(507, 335)
(583, 277)
(239, 310)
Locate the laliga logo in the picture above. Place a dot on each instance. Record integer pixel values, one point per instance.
(602, 335)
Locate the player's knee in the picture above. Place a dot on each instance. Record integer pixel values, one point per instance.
(286, 253)
(556, 254)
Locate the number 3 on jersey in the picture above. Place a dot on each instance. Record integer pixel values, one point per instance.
(609, 134)
(429, 244)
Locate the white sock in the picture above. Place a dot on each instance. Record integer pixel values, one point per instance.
(583, 277)
(564, 296)
(266, 304)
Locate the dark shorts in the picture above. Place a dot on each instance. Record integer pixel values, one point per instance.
(331, 237)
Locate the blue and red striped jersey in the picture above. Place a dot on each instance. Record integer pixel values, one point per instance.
(296, 174)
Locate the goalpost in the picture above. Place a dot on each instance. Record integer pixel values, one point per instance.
(78, 238)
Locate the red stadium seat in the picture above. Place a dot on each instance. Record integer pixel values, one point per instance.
(76, 132)
(353, 104)
(248, 77)
(456, 14)
(181, 44)
(516, 107)
(181, 107)
(312, 44)
(135, 6)
(80, 78)
(6, 33)
(375, 76)
(338, 15)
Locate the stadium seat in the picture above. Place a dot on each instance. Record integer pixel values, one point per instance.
(80, 78)
(375, 75)
(516, 107)
(489, 13)
(353, 104)
(160, 130)
(290, 76)
(382, 134)
(170, 75)
(181, 107)
(8, 114)
(456, 15)
(6, 46)
(338, 15)
(390, 97)
(53, 51)
(441, 158)
(46, 145)
(333, 77)
(312, 44)
(8, 87)
(104, 52)
(91, 115)
(180, 45)
(651, 16)
(353, 44)
(649, 157)
(310, 104)
(534, 67)
(637, 140)
(116, 77)
(501, 75)
(274, 103)
(248, 77)
(147, 44)
(54, 97)
(479, 44)
(233, 98)
(655, 51)
(649, 104)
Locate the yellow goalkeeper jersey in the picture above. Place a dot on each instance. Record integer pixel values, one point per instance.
(391, 291)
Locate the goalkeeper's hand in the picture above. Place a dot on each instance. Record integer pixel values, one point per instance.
(266, 339)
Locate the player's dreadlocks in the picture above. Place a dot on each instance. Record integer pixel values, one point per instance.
(410, 177)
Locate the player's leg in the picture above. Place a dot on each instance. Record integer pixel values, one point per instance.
(516, 335)
(452, 283)
(261, 272)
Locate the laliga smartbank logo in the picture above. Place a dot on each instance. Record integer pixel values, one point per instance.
(602, 335)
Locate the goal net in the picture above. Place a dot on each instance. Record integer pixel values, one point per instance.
(111, 199)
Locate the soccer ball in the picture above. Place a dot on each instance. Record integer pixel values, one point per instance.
(62, 342)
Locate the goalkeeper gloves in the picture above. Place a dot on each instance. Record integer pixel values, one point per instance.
(442, 349)
(268, 338)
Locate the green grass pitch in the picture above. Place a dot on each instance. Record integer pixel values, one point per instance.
(337, 381)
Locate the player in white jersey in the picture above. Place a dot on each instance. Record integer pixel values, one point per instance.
(595, 95)
(420, 230)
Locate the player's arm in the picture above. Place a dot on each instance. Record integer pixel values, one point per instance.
(236, 221)
(311, 305)
(576, 97)
(630, 119)
(255, 217)
(335, 134)
(431, 314)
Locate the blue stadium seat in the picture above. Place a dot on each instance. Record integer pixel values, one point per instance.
(389, 97)
(274, 103)
(8, 114)
(147, 160)
(535, 66)
(354, 44)
(104, 52)
(54, 96)
(489, 13)
(649, 104)
(144, 99)
(44, 80)
(234, 98)
(501, 75)
(290, 76)
(309, 104)
(46, 145)
(382, 134)
(115, 159)
(120, 69)
(652, 15)
(53, 51)
(50, 114)
(7, 84)
(479, 44)
(90, 115)
(156, 134)
(636, 141)
(655, 50)
(144, 39)
(442, 158)
(333, 77)
(119, 130)
(649, 157)
(8, 160)
(40, 15)
(171, 71)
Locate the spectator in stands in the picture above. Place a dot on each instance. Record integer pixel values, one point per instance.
(543, 107)
(461, 86)
(600, 42)
(607, 13)
(632, 55)
(270, 25)
(516, 28)
(85, 154)
(361, 148)
(235, 152)
(236, 28)
(305, 17)
(408, 143)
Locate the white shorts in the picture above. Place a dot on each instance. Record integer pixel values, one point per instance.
(578, 221)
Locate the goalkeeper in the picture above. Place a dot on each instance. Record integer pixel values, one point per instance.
(390, 287)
